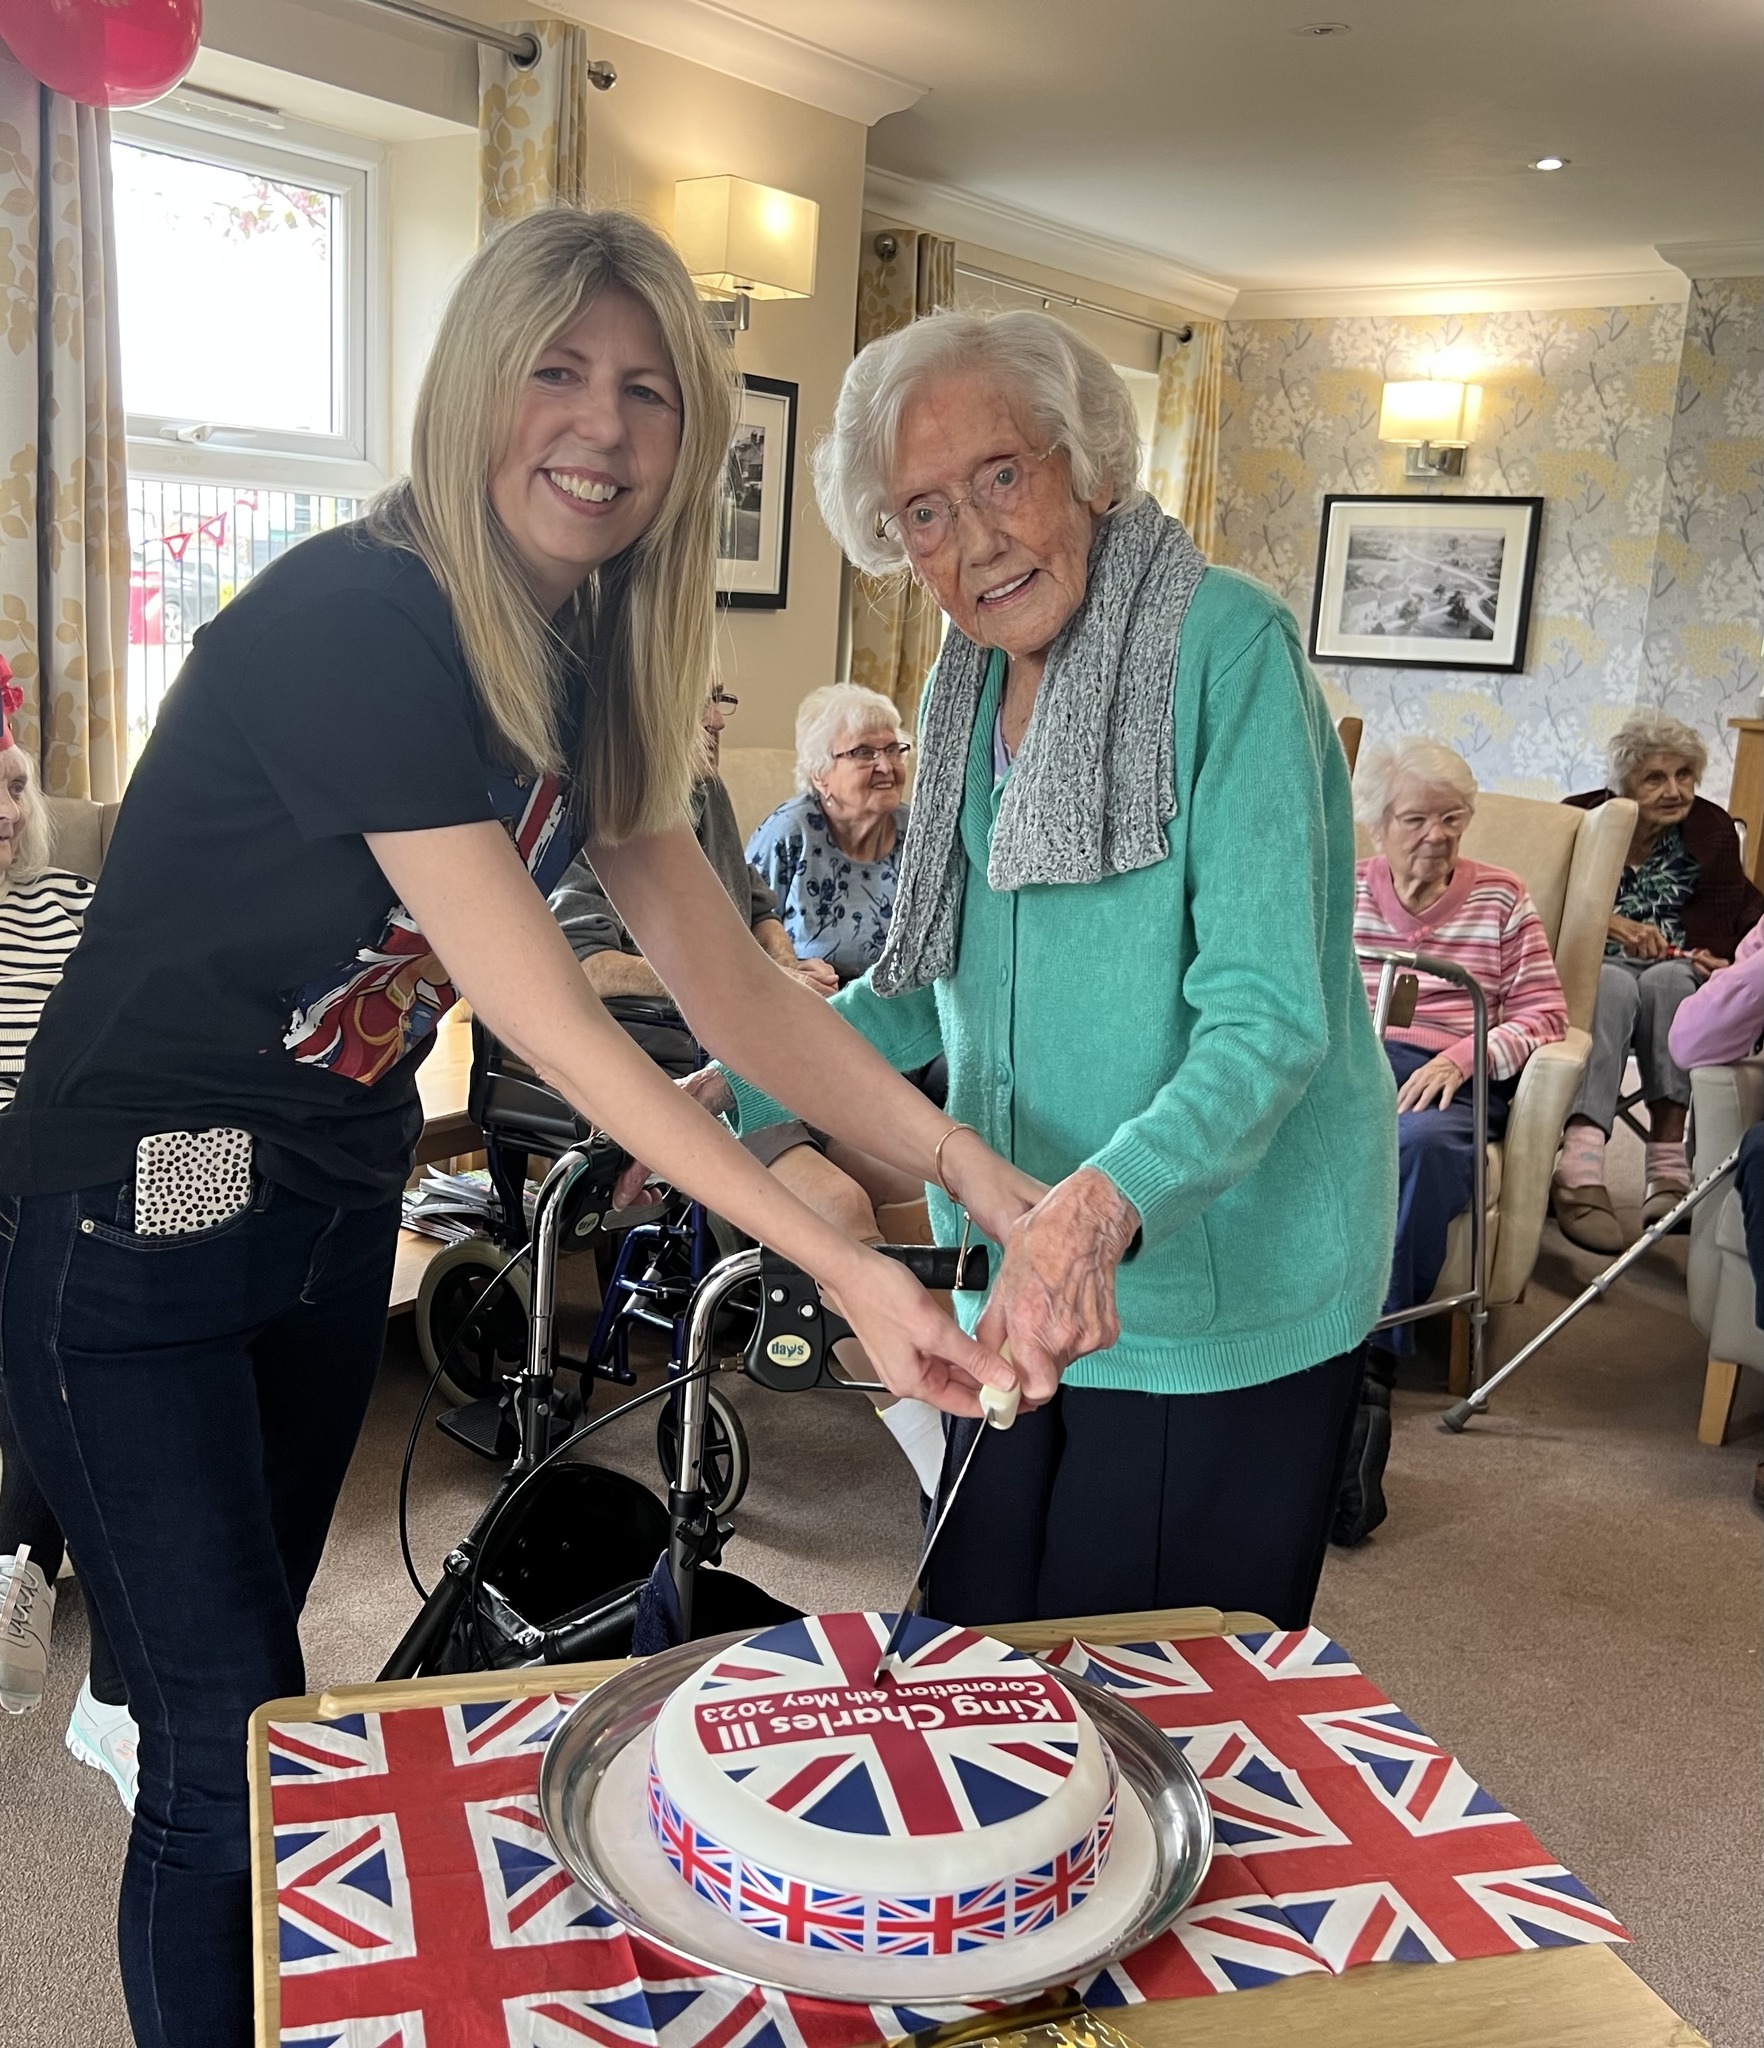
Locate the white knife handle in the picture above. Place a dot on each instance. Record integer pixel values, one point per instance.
(999, 1404)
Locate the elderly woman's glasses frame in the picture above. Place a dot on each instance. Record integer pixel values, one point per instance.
(867, 757)
(996, 489)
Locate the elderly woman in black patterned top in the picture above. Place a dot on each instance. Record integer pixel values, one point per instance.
(1683, 905)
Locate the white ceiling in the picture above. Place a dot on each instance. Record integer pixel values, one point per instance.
(1208, 133)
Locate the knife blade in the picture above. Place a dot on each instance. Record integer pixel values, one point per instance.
(998, 1406)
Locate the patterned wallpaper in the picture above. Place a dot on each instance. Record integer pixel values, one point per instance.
(1706, 616)
(1585, 409)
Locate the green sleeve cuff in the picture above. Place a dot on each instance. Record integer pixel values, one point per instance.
(754, 1109)
(1143, 1175)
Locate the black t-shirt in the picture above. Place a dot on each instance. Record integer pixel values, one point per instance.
(245, 962)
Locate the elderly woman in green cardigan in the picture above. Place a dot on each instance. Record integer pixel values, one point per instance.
(1125, 914)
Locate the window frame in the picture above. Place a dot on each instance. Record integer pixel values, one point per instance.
(352, 462)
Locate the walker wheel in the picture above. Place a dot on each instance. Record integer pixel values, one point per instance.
(726, 1463)
(493, 1341)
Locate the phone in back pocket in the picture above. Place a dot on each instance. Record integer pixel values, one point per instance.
(187, 1181)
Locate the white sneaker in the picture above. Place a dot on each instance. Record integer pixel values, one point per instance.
(27, 1613)
(104, 1737)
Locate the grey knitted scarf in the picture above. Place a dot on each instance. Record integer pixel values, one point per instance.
(1094, 783)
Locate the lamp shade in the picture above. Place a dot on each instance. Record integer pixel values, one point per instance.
(734, 236)
(1418, 412)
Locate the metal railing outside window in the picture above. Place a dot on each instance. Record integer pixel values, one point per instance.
(192, 547)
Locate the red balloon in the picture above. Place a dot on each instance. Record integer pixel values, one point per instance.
(107, 53)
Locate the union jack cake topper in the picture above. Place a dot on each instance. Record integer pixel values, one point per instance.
(962, 1799)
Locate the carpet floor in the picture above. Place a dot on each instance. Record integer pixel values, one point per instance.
(1569, 1597)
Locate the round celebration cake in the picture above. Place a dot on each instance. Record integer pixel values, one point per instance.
(965, 1799)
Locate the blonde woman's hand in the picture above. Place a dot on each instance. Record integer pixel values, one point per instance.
(1054, 1299)
(916, 1348)
(993, 1191)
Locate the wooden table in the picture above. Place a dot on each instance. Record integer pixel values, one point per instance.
(1565, 1997)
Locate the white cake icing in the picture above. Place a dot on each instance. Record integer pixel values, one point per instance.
(964, 1800)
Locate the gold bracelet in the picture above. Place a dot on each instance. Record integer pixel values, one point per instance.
(937, 1159)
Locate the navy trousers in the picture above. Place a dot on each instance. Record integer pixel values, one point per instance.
(1106, 1503)
(1749, 1179)
(1436, 1156)
(188, 1406)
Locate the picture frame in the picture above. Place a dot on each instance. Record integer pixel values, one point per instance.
(754, 513)
(1412, 582)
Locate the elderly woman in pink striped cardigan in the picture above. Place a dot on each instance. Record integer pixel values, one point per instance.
(1418, 893)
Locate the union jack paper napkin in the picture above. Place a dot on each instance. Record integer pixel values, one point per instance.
(421, 1905)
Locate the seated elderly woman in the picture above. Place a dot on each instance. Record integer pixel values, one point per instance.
(831, 855)
(1125, 914)
(42, 913)
(1418, 893)
(1683, 905)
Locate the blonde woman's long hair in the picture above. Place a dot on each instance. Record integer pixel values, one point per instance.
(643, 622)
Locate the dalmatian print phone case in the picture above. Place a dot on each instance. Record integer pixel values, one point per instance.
(187, 1181)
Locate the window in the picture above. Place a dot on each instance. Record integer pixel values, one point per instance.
(250, 285)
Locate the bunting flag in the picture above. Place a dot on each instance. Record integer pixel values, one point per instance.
(421, 1904)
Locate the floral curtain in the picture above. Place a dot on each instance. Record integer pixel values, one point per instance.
(533, 126)
(64, 533)
(1185, 443)
(895, 628)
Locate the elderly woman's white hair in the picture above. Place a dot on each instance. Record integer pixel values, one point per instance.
(1647, 733)
(1070, 394)
(1385, 767)
(835, 713)
(32, 841)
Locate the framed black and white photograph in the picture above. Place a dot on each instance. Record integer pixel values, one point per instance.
(1425, 582)
(753, 521)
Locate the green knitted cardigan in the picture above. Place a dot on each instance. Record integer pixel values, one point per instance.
(1198, 1029)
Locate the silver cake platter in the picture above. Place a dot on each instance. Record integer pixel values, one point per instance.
(593, 1800)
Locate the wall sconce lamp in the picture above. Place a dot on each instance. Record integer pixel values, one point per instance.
(1435, 422)
(741, 241)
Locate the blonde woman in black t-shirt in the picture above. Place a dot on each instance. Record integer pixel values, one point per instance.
(372, 766)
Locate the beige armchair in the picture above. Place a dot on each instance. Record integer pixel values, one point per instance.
(81, 834)
(1725, 1103)
(758, 780)
(1569, 861)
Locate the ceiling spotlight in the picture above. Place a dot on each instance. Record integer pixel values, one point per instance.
(1550, 163)
(1324, 28)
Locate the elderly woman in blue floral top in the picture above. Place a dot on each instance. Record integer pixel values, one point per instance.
(832, 853)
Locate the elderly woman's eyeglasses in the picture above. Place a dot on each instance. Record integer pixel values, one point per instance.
(995, 489)
(867, 757)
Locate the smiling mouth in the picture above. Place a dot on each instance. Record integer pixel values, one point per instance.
(582, 490)
(1004, 592)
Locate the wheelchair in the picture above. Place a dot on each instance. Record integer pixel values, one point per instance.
(474, 1308)
(553, 1572)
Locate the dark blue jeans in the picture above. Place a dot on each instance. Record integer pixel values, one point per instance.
(1436, 1157)
(188, 1406)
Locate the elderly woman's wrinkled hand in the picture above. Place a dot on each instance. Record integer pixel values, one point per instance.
(1054, 1299)
(1433, 1085)
(1640, 941)
(817, 975)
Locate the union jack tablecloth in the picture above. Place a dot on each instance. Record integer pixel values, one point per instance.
(421, 1906)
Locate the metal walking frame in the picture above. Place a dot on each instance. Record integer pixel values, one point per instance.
(1474, 1299)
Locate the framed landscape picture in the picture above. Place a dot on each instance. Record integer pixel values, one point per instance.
(753, 521)
(1425, 582)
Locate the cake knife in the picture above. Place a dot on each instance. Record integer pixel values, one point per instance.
(998, 1405)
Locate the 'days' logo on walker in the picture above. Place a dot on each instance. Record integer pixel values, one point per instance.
(793, 1714)
(788, 1350)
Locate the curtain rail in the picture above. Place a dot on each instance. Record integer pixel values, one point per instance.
(522, 49)
(1034, 291)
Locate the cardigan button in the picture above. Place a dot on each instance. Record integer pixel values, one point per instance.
(1002, 1073)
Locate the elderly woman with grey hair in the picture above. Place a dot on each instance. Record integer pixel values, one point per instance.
(1683, 905)
(1126, 915)
(831, 854)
